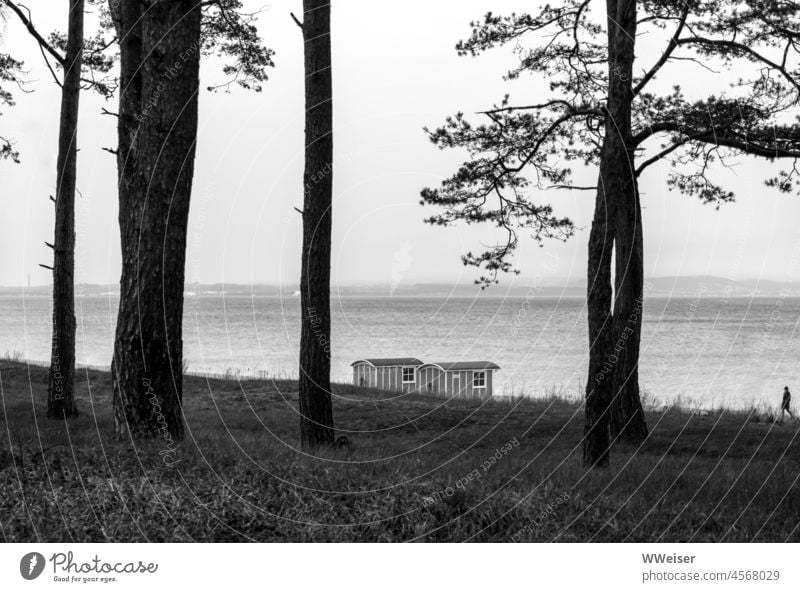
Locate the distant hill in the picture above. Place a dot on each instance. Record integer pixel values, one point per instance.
(718, 287)
(668, 286)
(671, 286)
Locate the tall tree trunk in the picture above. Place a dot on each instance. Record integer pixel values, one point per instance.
(599, 386)
(316, 412)
(157, 137)
(627, 417)
(616, 197)
(61, 382)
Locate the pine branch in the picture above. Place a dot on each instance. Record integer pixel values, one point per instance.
(296, 21)
(787, 147)
(673, 43)
(26, 20)
(665, 152)
(735, 46)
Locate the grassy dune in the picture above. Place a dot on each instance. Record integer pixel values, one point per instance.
(417, 469)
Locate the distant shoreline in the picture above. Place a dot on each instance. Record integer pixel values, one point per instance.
(570, 296)
(667, 287)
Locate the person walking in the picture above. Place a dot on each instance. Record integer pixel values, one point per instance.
(786, 403)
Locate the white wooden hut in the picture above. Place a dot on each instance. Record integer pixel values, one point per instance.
(457, 379)
(454, 379)
(389, 374)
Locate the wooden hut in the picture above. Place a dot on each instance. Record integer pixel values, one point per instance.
(456, 379)
(453, 379)
(389, 374)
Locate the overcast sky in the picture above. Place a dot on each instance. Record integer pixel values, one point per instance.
(395, 71)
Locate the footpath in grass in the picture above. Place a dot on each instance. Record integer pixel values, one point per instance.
(415, 469)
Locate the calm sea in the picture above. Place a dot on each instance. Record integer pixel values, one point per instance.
(704, 351)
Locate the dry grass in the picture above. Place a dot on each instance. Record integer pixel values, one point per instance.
(417, 469)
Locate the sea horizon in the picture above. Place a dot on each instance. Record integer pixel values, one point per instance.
(705, 351)
(701, 286)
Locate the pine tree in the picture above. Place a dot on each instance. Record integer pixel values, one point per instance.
(160, 48)
(601, 113)
(316, 412)
(67, 52)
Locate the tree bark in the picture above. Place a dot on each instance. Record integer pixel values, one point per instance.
(599, 386)
(160, 51)
(627, 417)
(61, 377)
(614, 222)
(316, 412)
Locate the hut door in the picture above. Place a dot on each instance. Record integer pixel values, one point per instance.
(456, 384)
(433, 381)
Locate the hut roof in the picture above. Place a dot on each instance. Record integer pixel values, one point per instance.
(389, 362)
(448, 366)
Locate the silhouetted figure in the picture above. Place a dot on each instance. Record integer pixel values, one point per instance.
(786, 403)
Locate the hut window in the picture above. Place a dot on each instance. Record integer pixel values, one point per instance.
(479, 380)
(408, 375)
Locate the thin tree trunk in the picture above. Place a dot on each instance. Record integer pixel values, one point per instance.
(316, 412)
(61, 382)
(157, 137)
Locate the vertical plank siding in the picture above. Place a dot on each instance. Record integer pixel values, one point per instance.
(428, 380)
